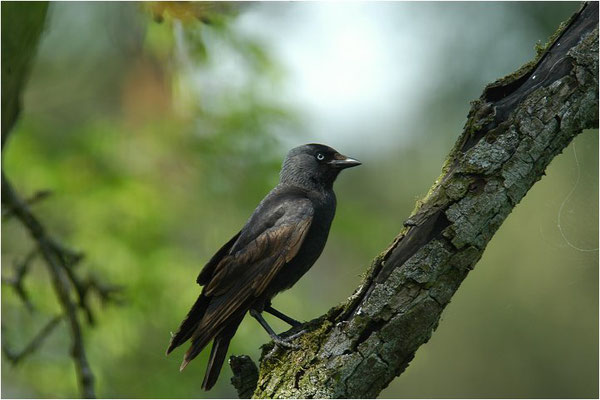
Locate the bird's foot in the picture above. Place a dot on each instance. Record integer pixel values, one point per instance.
(296, 335)
(285, 342)
(271, 353)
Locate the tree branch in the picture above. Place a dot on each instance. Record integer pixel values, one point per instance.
(17, 281)
(22, 25)
(36, 198)
(58, 268)
(245, 375)
(514, 130)
(33, 345)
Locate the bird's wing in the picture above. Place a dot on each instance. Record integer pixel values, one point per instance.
(195, 315)
(208, 270)
(248, 271)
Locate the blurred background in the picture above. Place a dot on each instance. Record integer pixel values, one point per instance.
(159, 133)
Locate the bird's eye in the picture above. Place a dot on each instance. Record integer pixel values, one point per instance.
(320, 156)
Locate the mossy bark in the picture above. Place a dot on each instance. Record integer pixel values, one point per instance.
(514, 130)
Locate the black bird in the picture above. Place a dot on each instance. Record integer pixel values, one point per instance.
(280, 242)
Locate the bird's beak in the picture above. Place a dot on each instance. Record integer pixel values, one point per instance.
(341, 161)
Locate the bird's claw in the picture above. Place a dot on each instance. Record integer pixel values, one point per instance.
(286, 342)
(295, 335)
(281, 343)
(271, 353)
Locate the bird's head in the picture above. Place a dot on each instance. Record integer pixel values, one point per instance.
(314, 166)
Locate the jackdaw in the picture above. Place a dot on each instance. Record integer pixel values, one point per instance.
(279, 243)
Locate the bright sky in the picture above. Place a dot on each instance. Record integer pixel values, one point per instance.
(360, 72)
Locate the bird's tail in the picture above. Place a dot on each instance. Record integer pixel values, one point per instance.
(190, 323)
(218, 353)
(222, 336)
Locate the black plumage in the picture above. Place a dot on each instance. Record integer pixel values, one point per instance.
(280, 242)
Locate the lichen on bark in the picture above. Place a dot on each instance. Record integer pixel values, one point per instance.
(513, 131)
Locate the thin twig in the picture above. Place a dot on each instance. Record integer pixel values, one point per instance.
(34, 344)
(106, 292)
(36, 198)
(57, 266)
(17, 282)
(84, 287)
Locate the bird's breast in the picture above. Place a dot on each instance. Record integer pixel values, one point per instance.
(311, 248)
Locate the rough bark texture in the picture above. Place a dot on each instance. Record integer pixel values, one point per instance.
(513, 131)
